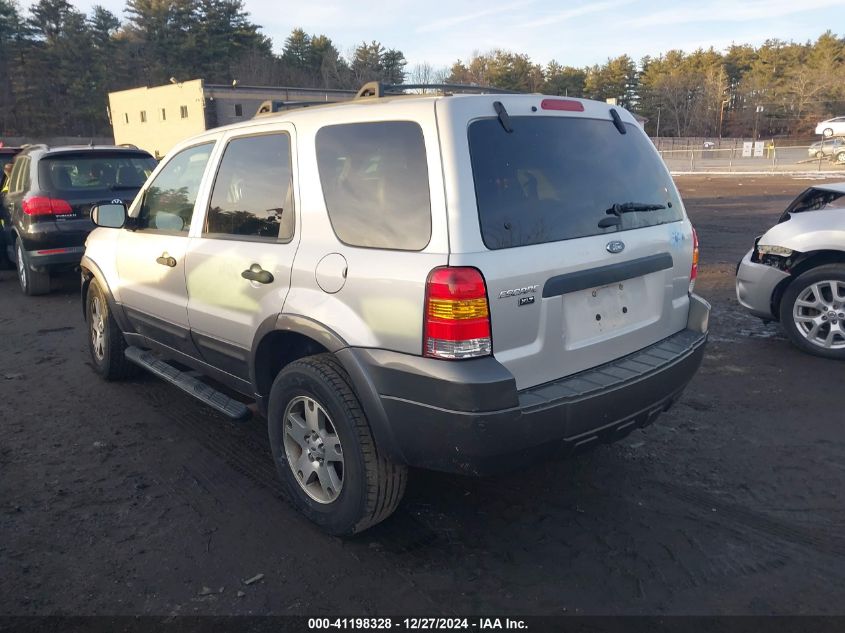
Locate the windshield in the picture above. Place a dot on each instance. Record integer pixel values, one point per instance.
(80, 173)
(554, 178)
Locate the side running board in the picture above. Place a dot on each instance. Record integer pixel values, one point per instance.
(190, 385)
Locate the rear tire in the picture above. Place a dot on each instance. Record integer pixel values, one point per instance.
(840, 157)
(816, 298)
(105, 340)
(321, 441)
(828, 132)
(33, 282)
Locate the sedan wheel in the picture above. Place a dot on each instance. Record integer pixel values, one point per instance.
(819, 314)
(828, 132)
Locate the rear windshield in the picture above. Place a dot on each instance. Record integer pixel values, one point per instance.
(78, 173)
(555, 178)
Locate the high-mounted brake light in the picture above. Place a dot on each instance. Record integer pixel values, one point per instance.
(565, 105)
(457, 315)
(693, 273)
(42, 205)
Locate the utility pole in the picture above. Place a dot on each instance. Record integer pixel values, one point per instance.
(756, 116)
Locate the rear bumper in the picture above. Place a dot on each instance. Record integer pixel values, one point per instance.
(755, 285)
(468, 417)
(55, 257)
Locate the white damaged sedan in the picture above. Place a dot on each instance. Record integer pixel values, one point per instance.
(795, 273)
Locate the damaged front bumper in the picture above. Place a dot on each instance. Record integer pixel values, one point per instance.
(756, 284)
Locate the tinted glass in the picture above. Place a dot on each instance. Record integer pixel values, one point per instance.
(252, 192)
(169, 200)
(77, 174)
(375, 182)
(553, 178)
(20, 175)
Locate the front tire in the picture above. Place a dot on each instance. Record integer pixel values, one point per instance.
(324, 449)
(840, 157)
(105, 340)
(812, 311)
(33, 282)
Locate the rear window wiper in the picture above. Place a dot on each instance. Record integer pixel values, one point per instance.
(630, 207)
(618, 209)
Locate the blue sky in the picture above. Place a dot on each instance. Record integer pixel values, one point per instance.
(576, 33)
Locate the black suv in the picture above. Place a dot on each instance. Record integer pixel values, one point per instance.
(46, 211)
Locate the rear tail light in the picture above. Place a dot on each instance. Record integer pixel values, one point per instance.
(457, 315)
(693, 273)
(42, 205)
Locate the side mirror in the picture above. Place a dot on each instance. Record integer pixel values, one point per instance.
(109, 215)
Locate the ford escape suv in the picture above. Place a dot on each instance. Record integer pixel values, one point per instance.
(449, 282)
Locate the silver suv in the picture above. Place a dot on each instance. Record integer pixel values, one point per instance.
(447, 282)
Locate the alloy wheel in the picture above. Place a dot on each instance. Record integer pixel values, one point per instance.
(313, 449)
(21, 268)
(819, 314)
(98, 326)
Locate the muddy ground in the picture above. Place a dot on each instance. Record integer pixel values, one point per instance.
(135, 499)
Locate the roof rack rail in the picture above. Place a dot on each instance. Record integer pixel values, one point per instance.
(271, 106)
(376, 89)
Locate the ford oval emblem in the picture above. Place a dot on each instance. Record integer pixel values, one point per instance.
(615, 246)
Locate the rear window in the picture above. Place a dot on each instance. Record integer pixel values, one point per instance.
(554, 178)
(78, 173)
(375, 182)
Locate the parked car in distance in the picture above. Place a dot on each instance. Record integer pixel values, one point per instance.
(46, 210)
(832, 127)
(7, 156)
(795, 273)
(444, 282)
(709, 145)
(832, 147)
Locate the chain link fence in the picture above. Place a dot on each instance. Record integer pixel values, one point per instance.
(691, 155)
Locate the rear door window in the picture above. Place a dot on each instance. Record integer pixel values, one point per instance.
(375, 182)
(555, 178)
(253, 192)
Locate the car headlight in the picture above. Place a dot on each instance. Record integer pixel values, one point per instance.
(781, 251)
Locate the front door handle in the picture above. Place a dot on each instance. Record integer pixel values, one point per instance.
(166, 260)
(256, 273)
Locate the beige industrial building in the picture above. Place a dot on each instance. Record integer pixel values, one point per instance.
(157, 118)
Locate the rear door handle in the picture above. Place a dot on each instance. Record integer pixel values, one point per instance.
(256, 273)
(166, 260)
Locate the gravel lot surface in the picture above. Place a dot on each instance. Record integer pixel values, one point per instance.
(133, 498)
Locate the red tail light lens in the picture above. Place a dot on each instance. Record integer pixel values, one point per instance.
(565, 105)
(693, 273)
(457, 315)
(42, 205)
